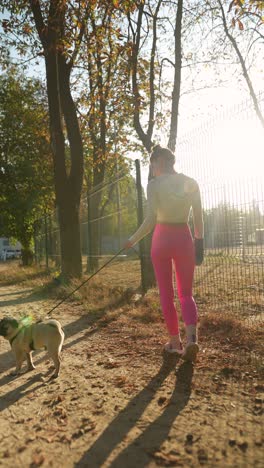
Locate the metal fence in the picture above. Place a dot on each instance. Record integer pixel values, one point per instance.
(108, 216)
(224, 156)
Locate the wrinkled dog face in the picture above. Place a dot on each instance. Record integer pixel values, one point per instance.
(7, 326)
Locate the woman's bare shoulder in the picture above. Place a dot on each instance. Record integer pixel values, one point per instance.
(190, 184)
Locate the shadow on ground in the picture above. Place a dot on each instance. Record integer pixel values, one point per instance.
(139, 451)
(19, 392)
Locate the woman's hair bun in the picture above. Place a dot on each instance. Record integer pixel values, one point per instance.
(156, 149)
(166, 153)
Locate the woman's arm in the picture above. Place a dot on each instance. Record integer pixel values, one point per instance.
(150, 220)
(198, 225)
(197, 213)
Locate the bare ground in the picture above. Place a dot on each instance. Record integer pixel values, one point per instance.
(119, 402)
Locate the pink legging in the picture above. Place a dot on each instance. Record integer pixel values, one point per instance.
(172, 243)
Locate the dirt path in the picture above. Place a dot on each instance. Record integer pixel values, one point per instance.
(120, 403)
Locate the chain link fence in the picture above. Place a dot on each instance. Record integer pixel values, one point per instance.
(108, 216)
(224, 157)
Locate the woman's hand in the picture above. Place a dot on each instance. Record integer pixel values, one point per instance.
(199, 251)
(127, 245)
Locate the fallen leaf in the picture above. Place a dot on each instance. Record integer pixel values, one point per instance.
(37, 460)
(162, 400)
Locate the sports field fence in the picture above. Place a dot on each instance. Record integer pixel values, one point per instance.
(222, 155)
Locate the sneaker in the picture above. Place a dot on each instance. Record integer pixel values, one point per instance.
(190, 352)
(169, 349)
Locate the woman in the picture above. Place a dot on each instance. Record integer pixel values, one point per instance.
(170, 197)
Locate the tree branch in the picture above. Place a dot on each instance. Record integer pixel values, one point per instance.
(38, 18)
(152, 74)
(243, 65)
(137, 98)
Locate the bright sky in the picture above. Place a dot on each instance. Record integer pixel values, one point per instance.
(224, 153)
(214, 143)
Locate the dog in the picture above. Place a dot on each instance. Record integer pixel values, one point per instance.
(25, 338)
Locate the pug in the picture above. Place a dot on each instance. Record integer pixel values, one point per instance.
(25, 338)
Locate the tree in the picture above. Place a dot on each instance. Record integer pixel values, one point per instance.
(118, 211)
(235, 45)
(25, 159)
(56, 41)
(144, 95)
(145, 28)
(233, 37)
(177, 77)
(55, 29)
(104, 106)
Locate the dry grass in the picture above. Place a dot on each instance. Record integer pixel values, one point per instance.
(114, 371)
(230, 305)
(220, 284)
(13, 273)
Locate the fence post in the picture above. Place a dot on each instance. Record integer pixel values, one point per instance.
(58, 240)
(118, 205)
(89, 232)
(140, 220)
(35, 244)
(147, 272)
(46, 242)
(243, 238)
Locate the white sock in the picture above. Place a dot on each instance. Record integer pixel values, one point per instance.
(176, 341)
(192, 334)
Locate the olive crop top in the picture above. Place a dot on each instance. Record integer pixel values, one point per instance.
(169, 200)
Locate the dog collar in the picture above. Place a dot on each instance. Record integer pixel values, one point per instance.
(14, 337)
(31, 344)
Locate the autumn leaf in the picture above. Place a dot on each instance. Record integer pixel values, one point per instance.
(37, 460)
(231, 6)
(240, 25)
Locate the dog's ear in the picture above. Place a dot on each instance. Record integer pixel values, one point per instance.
(14, 323)
(9, 321)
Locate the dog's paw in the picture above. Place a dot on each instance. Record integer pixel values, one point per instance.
(14, 373)
(31, 368)
(53, 376)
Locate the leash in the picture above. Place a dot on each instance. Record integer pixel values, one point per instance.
(86, 281)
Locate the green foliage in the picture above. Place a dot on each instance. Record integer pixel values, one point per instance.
(104, 101)
(25, 157)
(120, 196)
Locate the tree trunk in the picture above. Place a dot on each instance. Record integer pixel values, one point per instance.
(66, 196)
(27, 256)
(94, 241)
(98, 131)
(67, 186)
(71, 260)
(95, 198)
(147, 272)
(177, 79)
(69, 208)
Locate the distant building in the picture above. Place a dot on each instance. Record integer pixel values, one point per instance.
(5, 244)
(260, 236)
(257, 237)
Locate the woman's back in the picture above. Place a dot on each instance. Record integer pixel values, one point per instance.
(172, 196)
